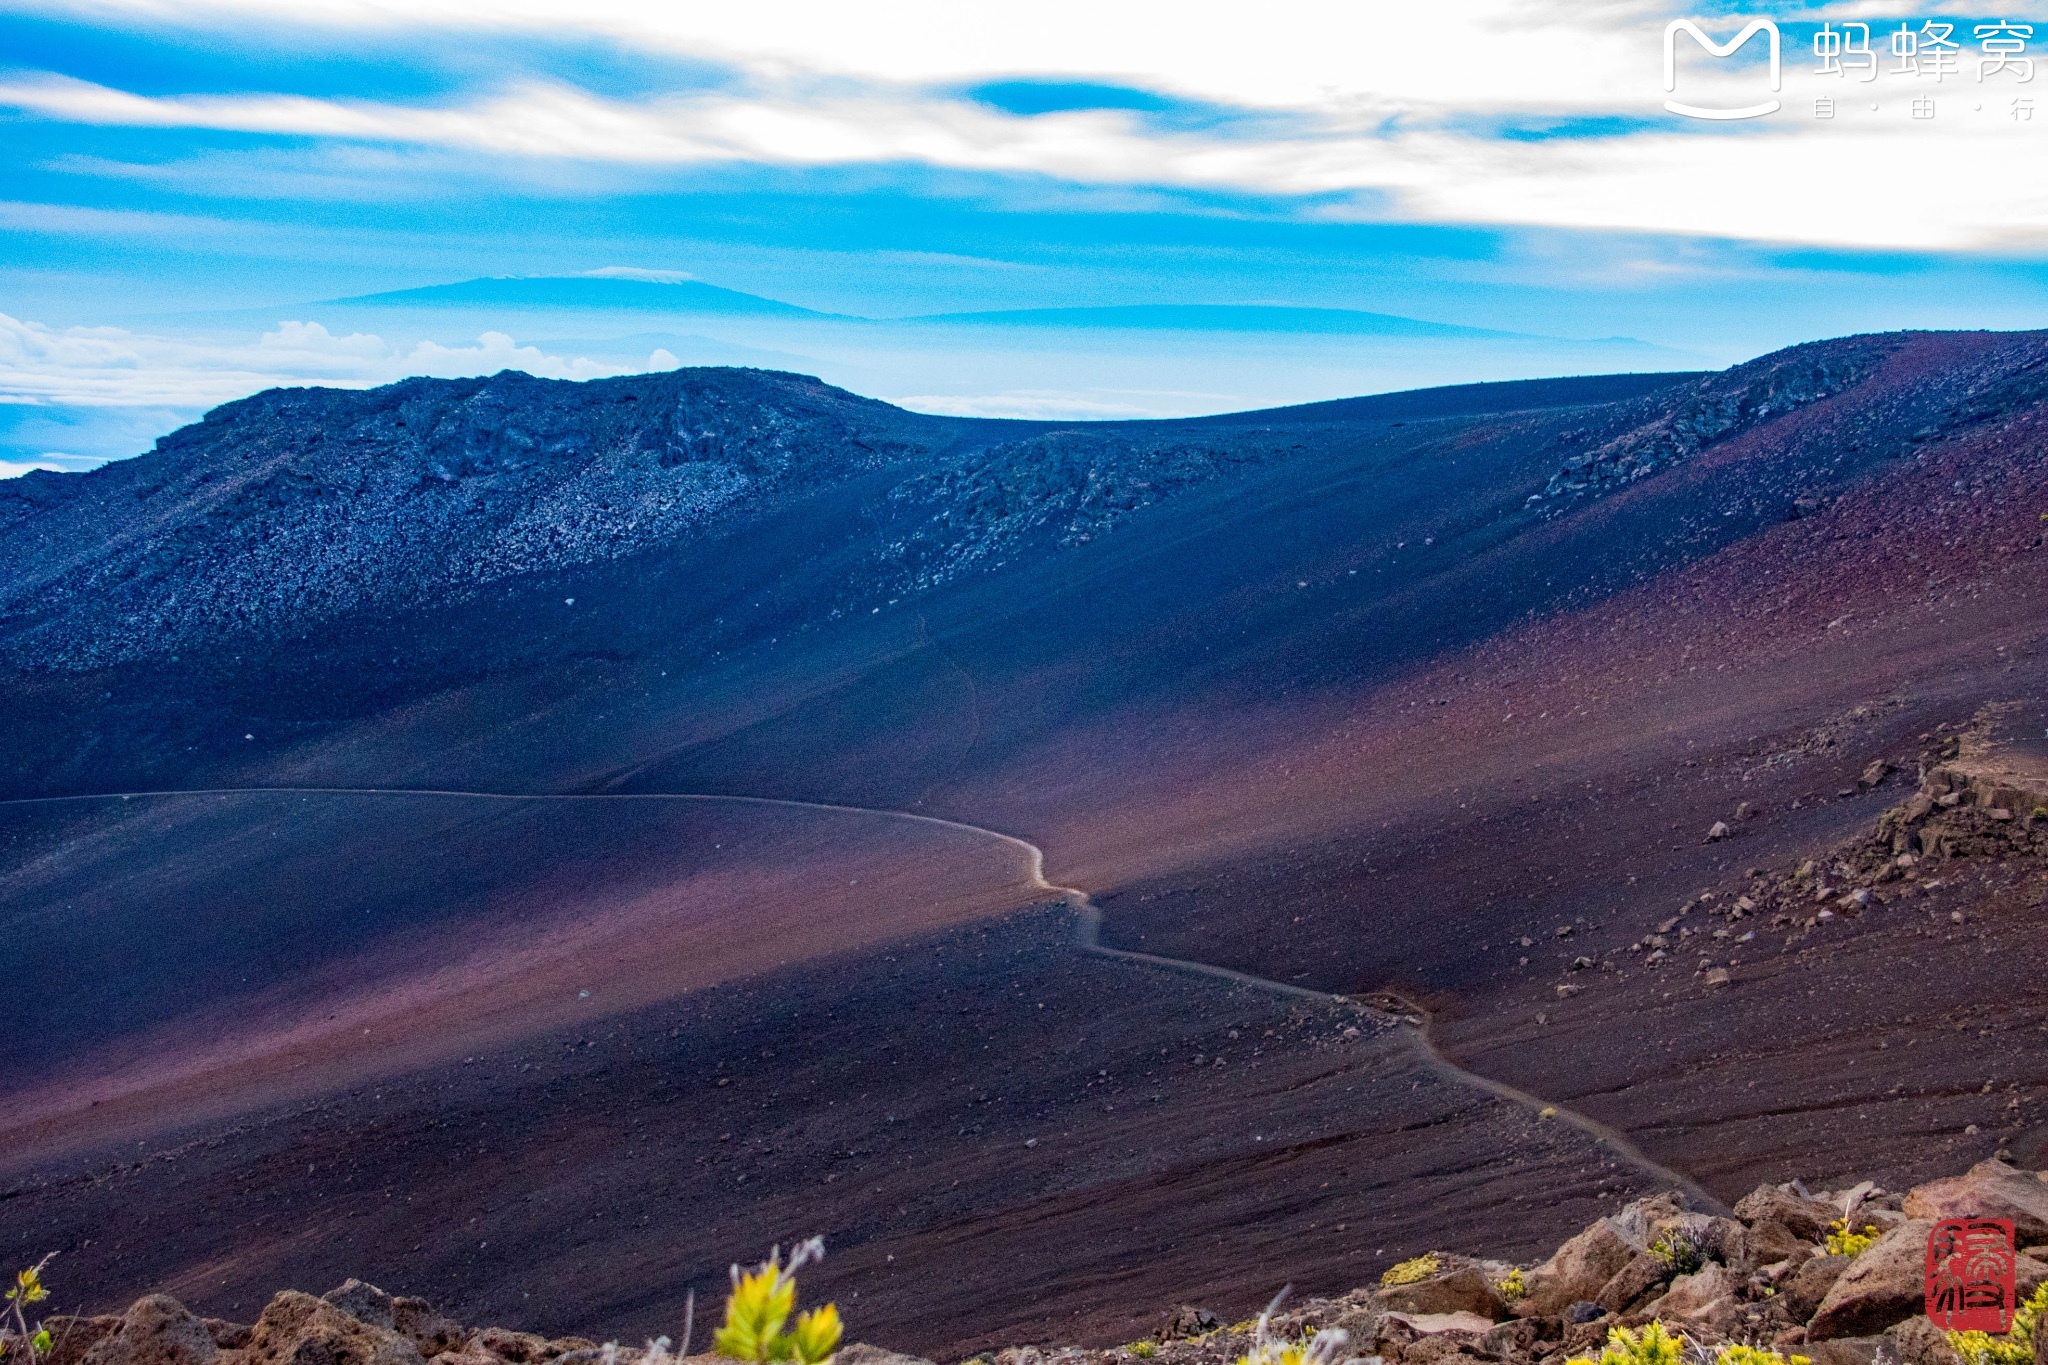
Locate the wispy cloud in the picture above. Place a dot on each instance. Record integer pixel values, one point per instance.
(634, 272)
(1043, 405)
(1425, 121)
(14, 469)
(1318, 55)
(114, 367)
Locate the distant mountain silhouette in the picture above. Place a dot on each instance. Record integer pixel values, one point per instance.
(694, 296)
(583, 291)
(1228, 317)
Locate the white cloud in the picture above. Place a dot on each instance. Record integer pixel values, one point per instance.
(111, 367)
(494, 351)
(14, 469)
(634, 272)
(1034, 405)
(1285, 54)
(1403, 149)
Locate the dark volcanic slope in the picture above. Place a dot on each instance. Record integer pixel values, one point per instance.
(1355, 696)
(1064, 1143)
(268, 935)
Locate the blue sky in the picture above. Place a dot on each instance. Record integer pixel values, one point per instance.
(184, 184)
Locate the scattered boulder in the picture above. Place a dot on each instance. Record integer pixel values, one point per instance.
(1580, 1269)
(1727, 1241)
(156, 1330)
(516, 1348)
(1434, 1324)
(298, 1329)
(1443, 1348)
(468, 1355)
(1516, 1338)
(71, 1337)
(1885, 1285)
(364, 1302)
(1802, 1294)
(431, 1333)
(1462, 1289)
(2029, 1274)
(1846, 1351)
(1917, 1341)
(1706, 1300)
(1645, 1272)
(229, 1336)
(1586, 1338)
(1991, 1189)
(860, 1353)
(1781, 1223)
(1182, 1322)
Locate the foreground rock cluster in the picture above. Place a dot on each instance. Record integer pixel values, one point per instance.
(1765, 1278)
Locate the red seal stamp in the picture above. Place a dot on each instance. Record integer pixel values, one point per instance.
(1971, 1275)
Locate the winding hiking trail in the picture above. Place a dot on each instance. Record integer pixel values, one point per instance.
(1412, 1019)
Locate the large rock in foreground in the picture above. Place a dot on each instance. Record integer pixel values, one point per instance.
(1883, 1286)
(157, 1330)
(1464, 1289)
(1991, 1189)
(298, 1329)
(1580, 1269)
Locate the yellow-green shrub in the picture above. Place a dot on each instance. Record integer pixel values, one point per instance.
(2015, 1347)
(758, 1309)
(1753, 1355)
(1651, 1346)
(1324, 1348)
(1408, 1272)
(1514, 1288)
(1842, 1242)
(1981, 1348)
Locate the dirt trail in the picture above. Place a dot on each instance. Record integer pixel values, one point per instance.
(1411, 1019)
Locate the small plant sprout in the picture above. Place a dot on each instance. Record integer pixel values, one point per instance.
(1409, 1272)
(660, 1350)
(1324, 1348)
(758, 1310)
(1842, 1242)
(1651, 1346)
(32, 1343)
(1683, 1249)
(1514, 1287)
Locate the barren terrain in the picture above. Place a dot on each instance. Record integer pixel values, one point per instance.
(1438, 693)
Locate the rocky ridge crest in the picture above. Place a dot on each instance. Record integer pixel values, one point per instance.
(296, 506)
(1721, 406)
